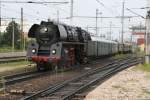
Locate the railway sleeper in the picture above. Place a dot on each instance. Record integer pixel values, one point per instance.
(68, 89)
(86, 80)
(50, 98)
(76, 84)
(60, 93)
(77, 98)
(17, 92)
(80, 95)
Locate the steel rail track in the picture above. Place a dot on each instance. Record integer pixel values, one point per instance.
(12, 79)
(67, 89)
(12, 56)
(99, 79)
(8, 59)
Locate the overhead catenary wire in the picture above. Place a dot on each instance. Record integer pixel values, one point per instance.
(102, 4)
(115, 17)
(143, 8)
(19, 12)
(37, 2)
(135, 13)
(58, 8)
(25, 14)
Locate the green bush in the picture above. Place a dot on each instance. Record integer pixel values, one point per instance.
(145, 67)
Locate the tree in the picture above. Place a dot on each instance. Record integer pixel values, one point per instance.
(8, 35)
(1, 37)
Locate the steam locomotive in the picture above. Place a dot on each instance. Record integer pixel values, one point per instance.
(59, 45)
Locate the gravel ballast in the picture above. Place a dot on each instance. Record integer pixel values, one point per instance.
(129, 84)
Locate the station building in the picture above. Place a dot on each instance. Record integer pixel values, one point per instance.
(138, 33)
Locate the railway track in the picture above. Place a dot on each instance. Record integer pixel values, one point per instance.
(8, 59)
(69, 89)
(13, 56)
(9, 80)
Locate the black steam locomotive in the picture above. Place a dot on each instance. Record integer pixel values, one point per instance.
(59, 45)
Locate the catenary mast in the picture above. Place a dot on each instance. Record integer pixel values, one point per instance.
(147, 35)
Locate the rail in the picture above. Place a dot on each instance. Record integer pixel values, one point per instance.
(13, 56)
(68, 89)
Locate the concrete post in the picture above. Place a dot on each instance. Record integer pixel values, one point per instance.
(147, 39)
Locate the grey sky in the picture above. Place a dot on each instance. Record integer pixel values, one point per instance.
(34, 13)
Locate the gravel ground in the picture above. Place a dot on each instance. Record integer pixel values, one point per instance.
(33, 85)
(129, 84)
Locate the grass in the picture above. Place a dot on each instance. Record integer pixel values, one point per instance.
(119, 56)
(140, 54)
(12, 64)
(144, 67)
(146, 91)
(116, 86)
(15, 66)
(8, 49)
(119, 87)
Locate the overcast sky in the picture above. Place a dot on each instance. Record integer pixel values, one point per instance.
(34, 13)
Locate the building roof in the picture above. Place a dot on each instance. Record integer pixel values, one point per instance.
(96, 38)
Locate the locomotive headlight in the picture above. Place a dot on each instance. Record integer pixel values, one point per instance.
(53, 51)
(44, 30)
(33, 50)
